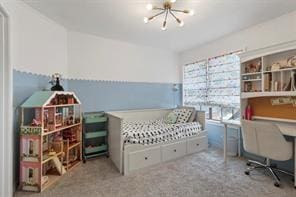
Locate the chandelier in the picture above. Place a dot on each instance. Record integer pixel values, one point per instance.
(166, 9)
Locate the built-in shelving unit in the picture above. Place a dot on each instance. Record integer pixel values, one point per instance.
(50, 137)
(266, 74)
(269, 75)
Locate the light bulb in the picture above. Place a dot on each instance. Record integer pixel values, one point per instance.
(173, 1)
(181, 24)
(163, 28)
(149, 6)
(191, 12)
(146, 20)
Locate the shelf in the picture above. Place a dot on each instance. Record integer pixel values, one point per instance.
(280, 70)
(51, 180)
(245, 95)
(247, 80)
(255, 73)
(96, 134)
(95, 119)
(73, 145)
(60, 129)
(273, 119)
(89, 150)
(95, 155)
(62, 105)
(72, 165)
(51, 157)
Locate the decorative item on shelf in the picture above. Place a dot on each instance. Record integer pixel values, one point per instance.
(275, 66)
(248, 87)
(248, 113)
(56, 82)
(245, 78)
(166, 10)
(253, 67)
(282, 101)
(291, 62)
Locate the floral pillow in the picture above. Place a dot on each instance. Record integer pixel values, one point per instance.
(171, 118)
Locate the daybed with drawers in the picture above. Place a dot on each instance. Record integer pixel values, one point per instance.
(141, 138)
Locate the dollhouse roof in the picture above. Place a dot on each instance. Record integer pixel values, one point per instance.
(43, 98)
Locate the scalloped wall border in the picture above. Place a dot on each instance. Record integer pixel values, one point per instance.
(90, 80)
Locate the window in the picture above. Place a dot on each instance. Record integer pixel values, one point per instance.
(195, 83)
(214, 86)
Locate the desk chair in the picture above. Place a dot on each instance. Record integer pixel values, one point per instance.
(266, 140)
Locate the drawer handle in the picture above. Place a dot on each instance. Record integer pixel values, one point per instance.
(146, 158)
(175, 150)
(197, 144)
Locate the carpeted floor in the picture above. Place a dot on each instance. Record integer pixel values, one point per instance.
(200, 175)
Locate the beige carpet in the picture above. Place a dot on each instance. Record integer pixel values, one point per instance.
(202, 174)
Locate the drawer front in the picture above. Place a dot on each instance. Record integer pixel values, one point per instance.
(197, 144)
(172, 151)
(141, 159)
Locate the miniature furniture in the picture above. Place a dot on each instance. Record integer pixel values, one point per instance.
(50, 138)
(272, 94)
(95, 135)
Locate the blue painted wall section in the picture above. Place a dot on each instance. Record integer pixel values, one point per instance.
(105, 95)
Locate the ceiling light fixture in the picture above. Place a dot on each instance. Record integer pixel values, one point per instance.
(166, 9)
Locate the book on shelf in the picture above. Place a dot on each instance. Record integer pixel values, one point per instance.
(267, 79)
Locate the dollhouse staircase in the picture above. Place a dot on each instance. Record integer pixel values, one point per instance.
(60, 168)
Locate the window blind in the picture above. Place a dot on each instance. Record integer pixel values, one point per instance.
(195, 84)
(223, 87)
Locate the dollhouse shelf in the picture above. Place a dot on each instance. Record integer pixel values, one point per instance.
(60, 129)
(51, 138)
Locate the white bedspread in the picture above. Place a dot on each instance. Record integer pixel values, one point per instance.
(156, 131)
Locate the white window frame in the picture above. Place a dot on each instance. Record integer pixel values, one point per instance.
(210, 106)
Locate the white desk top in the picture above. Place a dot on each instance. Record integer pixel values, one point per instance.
(232, 122)
(288, 129)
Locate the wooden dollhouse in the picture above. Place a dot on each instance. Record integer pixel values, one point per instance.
(50, 138)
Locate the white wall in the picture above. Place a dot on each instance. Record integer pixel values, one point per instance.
(92, 57)
(278, 30)
(38, 44)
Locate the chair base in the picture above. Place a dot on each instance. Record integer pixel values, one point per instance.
(272, 169)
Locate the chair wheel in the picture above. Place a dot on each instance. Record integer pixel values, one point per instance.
(247, 173)
(248, 163)
(276, 184)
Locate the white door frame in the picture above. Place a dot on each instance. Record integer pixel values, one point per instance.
(6, 108)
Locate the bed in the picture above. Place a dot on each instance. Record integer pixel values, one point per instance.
(141, 138)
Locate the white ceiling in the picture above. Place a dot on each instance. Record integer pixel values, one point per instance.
(123, 19)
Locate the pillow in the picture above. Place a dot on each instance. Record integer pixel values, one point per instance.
(192, 118)
(182, 114)
(171, 118)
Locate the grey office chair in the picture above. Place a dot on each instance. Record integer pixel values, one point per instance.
(266, 140)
